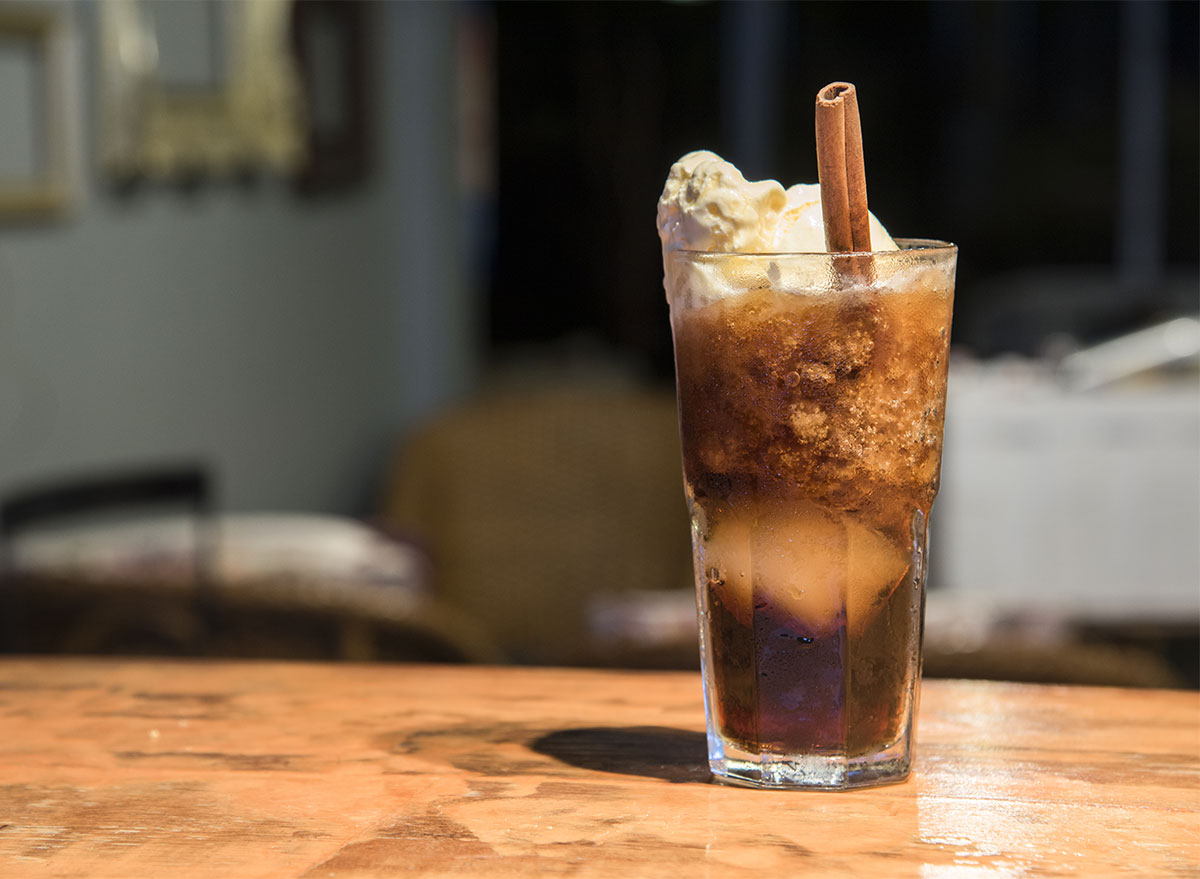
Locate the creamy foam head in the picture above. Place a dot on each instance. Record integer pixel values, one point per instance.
(708, 205)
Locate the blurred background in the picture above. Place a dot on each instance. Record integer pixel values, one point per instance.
(362, 301)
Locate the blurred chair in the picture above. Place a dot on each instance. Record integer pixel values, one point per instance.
(61, 614)
(540, 505)
(107, 565)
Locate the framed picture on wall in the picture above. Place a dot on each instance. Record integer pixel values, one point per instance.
(162, 118)
(330, 42)
(34, 90)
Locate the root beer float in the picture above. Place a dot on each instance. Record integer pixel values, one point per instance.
(811, 353)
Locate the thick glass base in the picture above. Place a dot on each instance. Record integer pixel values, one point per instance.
(733, 765)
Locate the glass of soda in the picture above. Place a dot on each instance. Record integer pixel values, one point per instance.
(811, 391)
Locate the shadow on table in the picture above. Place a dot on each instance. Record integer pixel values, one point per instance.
(674, 755)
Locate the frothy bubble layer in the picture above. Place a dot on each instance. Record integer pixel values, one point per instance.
(693, 280)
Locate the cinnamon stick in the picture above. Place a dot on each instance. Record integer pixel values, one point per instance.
(840, 170)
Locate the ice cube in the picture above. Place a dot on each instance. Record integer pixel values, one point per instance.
(812, 565)
(726, 560)
(876, 567)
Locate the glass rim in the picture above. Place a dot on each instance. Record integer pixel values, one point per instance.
(932, 246)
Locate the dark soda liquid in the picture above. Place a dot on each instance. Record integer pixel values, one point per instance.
(812, 430)
(782, 686)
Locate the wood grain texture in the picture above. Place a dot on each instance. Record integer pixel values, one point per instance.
(150, 768)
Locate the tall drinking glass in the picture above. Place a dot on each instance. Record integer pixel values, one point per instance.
(811, 390)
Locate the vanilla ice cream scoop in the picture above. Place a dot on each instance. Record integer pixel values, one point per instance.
(708, 205)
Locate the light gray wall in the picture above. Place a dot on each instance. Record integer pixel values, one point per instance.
(285, 341)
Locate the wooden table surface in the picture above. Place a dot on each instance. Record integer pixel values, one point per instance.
(168, 769)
